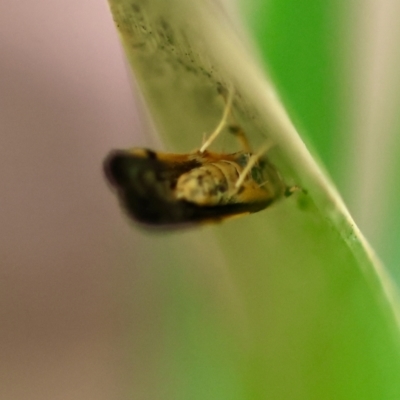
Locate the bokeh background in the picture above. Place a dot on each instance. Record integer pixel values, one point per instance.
(337, 65)
(70, 296)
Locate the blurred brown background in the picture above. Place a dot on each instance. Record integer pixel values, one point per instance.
(66, 254)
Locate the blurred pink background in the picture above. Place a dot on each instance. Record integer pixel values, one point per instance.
(69, 262)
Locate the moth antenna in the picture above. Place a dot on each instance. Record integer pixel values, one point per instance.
(252, 161)
(221, 124)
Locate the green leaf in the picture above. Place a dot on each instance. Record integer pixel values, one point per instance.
(288, 303)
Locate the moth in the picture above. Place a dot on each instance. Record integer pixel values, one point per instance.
(202, 186)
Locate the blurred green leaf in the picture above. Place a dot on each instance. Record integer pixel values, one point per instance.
(298, 44)
(288, 303)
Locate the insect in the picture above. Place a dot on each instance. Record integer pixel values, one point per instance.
(202, 186)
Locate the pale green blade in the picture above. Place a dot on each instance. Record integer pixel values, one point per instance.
(288, 303)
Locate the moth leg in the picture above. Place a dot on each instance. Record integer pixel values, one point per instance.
(293, 189)
(222, 123)
(252, 161)
(238, 131)
(204, 138)
(235, 127)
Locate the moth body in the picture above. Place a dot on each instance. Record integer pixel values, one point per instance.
(203, 186)
(161, 188)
